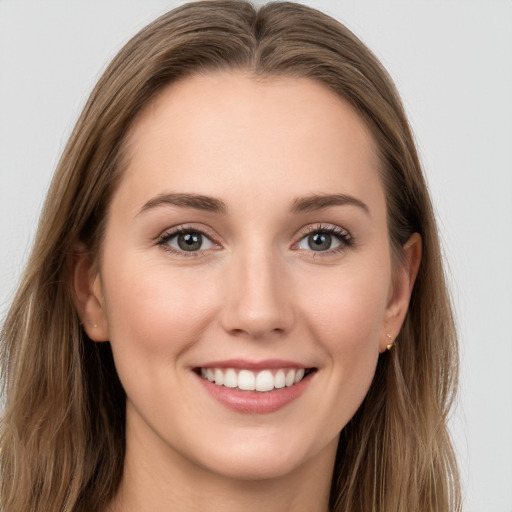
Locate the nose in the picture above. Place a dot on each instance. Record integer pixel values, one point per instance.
(258, 296)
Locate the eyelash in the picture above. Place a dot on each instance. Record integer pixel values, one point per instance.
(164, 238)
(342, 235)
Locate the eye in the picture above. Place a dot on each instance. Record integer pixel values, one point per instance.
(325, 239)
(184, 240)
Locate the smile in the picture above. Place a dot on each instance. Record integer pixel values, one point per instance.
(248, 380)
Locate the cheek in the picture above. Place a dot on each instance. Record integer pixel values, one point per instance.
(154, 317)
(345, 319)
(156, 309)
(347, 312)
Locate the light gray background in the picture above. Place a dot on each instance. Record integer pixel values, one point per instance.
(452, 62)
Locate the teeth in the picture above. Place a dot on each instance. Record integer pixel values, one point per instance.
(290, 378)
(230, 378)
(279, 379)
(219, 377)
(299, 375)
(265, 380)
(246, 380)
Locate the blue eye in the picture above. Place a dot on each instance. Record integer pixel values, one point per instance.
(325, 239)
(186, 240)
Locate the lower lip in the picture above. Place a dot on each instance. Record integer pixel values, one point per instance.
(256, 402)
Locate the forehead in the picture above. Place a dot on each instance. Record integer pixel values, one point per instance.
(206, 131)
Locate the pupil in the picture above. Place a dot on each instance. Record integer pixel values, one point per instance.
(190, 241)
(319, 241)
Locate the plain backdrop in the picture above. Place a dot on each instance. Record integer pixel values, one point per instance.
(452, 62)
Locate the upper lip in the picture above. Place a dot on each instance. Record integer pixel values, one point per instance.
(244, 364)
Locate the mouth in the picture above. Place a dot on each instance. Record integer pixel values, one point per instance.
(262, 381)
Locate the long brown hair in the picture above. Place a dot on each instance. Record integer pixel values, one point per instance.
(62, 434)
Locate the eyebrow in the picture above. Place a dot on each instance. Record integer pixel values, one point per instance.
(195, 201)
(211, 204)
(320, 201)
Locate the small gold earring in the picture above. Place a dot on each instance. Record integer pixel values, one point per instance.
(390, 345)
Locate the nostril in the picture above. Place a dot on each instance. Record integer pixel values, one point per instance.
(256, 302)
(241, 321)
(257, 332)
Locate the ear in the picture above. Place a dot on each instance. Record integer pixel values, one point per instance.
(87, 293)
(400, 295)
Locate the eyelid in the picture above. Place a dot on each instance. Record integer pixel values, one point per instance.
(168, 234)
(323, 227)
(343, 235)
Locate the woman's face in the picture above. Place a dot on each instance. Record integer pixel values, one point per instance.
(247, 243)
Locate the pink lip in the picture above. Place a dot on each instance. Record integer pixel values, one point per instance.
(267, 364)
(255, 402)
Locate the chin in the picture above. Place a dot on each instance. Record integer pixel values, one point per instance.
(267, 460)
(257, 469)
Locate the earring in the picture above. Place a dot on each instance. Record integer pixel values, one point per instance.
(392, 341)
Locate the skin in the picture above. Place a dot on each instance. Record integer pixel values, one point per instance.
(257, 291)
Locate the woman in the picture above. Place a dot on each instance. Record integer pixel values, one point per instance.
(230, 299)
